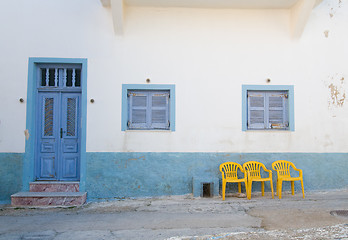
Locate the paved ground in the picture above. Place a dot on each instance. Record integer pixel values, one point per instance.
(184, 217)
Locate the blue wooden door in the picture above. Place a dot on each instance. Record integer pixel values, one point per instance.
(69, 141)
(59, 142)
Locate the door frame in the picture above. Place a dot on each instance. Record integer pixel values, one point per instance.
(31, 118)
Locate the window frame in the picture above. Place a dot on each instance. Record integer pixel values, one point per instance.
(147, 87)
(288, 88)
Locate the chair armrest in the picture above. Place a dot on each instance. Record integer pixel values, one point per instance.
(266, 170)
(298, 170)
(269, 171)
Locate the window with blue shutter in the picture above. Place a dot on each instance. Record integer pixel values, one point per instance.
(268, 107)
(148, 107)
(268, 110)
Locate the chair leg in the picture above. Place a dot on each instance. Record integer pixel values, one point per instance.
(292, 188)
(249, 189)
(280, 189)
(223, 190)
(239, 187)
(263, 188)
(272, 188)
(302, 188)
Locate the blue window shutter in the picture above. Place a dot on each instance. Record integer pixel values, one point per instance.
(256, 110)
(148, 109)
(138, 108)
(277, 110)
(159, 110)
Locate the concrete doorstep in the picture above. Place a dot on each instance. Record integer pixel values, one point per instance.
(319, 216)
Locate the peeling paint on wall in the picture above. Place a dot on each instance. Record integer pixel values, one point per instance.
(337, 97)
(134, 159)
(334, 6)
(326, 33)
(26, 134)
(337, 91)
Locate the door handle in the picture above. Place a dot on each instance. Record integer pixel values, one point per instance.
(61, 133)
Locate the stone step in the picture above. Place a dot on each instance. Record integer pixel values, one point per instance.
(49, 186)
(48, 199)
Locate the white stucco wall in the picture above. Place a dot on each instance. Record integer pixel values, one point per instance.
(207, 53)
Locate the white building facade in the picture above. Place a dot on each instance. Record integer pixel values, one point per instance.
(146, 96)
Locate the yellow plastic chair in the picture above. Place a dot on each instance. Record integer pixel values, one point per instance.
(283, 174)
(253, 170)
(229, 174)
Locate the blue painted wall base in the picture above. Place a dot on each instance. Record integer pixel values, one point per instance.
(10, 175)
(117, 175)
(112, 175)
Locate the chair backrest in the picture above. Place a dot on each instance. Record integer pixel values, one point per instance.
(229, 170)
(254, 168)
(282, 167)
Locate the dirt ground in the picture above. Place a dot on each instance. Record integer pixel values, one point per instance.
(321, 215)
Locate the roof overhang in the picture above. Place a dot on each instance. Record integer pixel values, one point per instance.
(300, 9)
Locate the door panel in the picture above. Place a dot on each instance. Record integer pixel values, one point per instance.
(48, 127)
(47, 169)
(70, 140)
(70, 147)
(70, 167)
(47, 147)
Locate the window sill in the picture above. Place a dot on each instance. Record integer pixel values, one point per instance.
(269, 130)
(148, 131)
